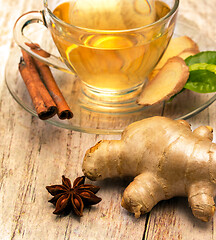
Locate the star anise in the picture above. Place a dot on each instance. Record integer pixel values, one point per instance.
(74, 198)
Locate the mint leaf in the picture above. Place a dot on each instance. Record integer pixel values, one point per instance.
(201, 81)
(202, 67)
(202, 57)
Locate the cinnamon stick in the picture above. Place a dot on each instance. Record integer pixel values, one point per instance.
(37, 49)
(43, 103)
(63, 110)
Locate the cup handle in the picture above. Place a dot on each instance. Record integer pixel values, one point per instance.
(25, 43)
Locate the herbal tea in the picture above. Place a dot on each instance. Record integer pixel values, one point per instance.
(112, 60)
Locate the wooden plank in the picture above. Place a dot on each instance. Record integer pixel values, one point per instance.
(173, 219)
(34, 154)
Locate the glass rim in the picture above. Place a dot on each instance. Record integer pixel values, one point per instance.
(168, 15)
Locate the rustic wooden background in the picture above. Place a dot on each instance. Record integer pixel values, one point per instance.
(34, 154)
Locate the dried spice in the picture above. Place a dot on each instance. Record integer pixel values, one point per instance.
(67, 198)
(42, 87)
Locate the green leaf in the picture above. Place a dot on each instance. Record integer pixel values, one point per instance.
(202, 67)
(202, 57)
(201, 81)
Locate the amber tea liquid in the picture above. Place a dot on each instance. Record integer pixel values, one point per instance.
(111, 61)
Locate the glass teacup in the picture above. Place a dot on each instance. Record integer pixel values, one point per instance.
(111, 46)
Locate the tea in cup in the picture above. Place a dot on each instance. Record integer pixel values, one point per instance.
(111, 46)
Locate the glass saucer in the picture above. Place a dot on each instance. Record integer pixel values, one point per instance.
(184, 106)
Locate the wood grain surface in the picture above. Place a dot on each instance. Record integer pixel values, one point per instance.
(34, 154)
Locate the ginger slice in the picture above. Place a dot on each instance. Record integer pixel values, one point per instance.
(175, 47)
(169, 81)
(184, 54)
(188, 52)
(181, 46)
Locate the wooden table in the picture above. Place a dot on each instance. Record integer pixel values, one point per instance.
(34, 154)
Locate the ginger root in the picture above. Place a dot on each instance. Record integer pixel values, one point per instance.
(169, 81)
(166, 158)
